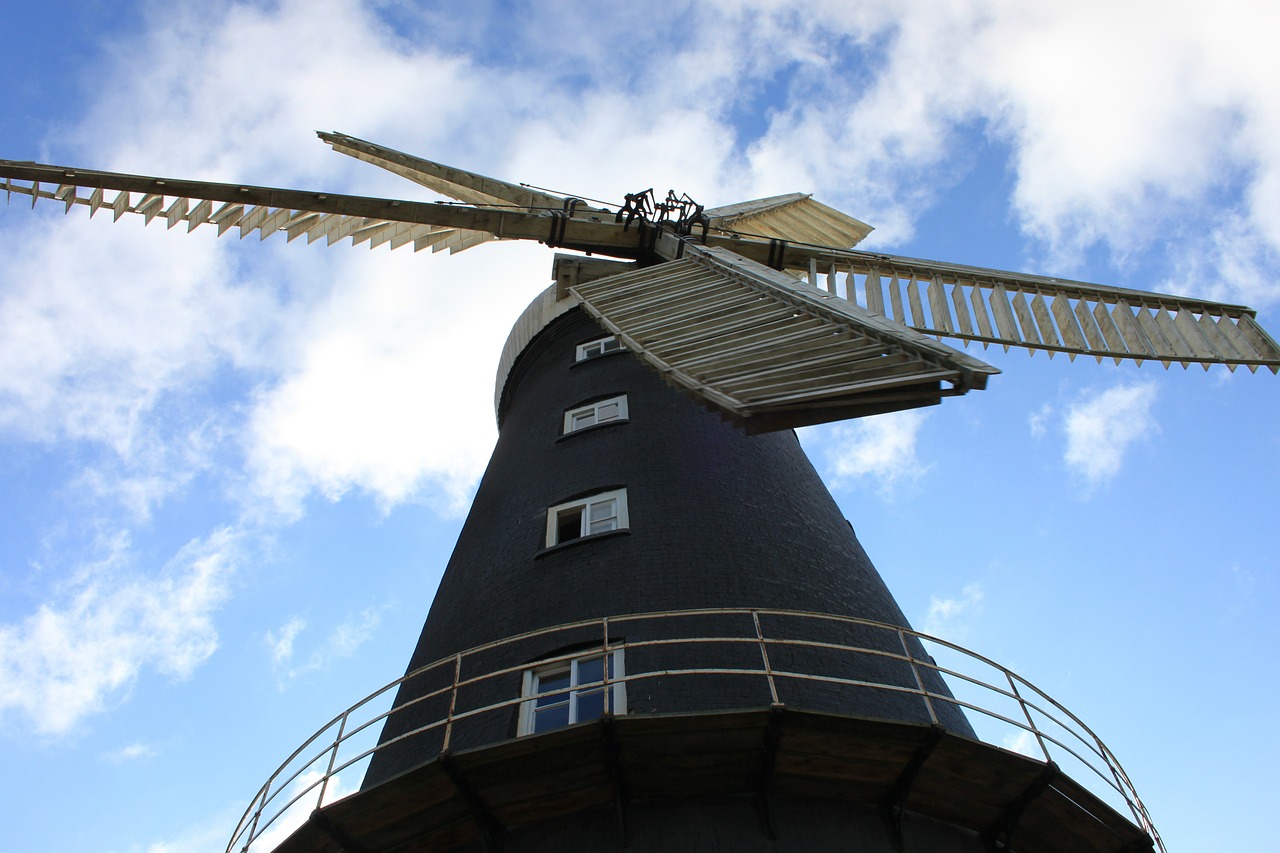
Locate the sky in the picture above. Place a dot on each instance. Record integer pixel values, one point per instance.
(232, 471)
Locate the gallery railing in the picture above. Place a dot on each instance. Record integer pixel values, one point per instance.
(1004, 708)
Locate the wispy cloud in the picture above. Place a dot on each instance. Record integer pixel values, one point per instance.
(281, 644)
(1022, 741)
(1038, 421)
(882, 448)
(79, 654)
(132, 752)
(1102, 427)
(947, 616)
(341, 642)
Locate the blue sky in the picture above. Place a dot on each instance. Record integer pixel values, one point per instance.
(232, 471)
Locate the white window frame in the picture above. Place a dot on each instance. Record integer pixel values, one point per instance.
(599, 347)
(607, 411)
(593, 511)
(615, 691)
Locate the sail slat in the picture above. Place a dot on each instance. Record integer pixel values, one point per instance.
(771, 350)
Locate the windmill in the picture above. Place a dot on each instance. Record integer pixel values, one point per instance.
(764, 316)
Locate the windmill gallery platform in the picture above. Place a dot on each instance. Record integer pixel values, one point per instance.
(658, 633)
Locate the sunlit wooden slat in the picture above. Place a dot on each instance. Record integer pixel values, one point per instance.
(274, 222)
(338, 228)
(1177, 343)
(1194, 338)
(1089, 327)
(938, 306)
(1005, 323)
(895, 300)
(226, 216)
(427, 241)
(176, 213)
(874, 291)
(981, 316)
(917, 307)
(1067, 326)
(1111, 333)
(1044, 323)
(252, 220)
(199, 215)
(1026, 322)
(150, 206)
(961, 309)
(1209, 329)
(67, 193)
(1258, 339)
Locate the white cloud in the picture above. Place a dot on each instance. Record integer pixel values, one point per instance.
(391, 391)
(281, 645)
(1023, 742)
(946, 616)
(81, 653)
(342, 642)
(208, 833)
(132, 752)
(307, 788)
(881, 447)
(1101, 428)
(1038, 421)
(1168, 119)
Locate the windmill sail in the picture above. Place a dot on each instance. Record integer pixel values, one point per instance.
(931, 298)
(761, 346)
(335, 217)
(1030, 311)
(455, 183)
(796, 216)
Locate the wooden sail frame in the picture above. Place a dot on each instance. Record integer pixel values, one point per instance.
(759, 345)
(880, 306)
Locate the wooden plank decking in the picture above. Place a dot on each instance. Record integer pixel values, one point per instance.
(795, 753)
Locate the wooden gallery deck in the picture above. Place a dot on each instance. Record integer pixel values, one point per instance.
(605, 767)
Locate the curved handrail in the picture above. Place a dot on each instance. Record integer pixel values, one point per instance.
(292, 783)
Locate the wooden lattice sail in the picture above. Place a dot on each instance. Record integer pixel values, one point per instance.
(758, 308)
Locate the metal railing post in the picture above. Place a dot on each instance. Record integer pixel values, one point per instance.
(333, 756)
(1044, 748)
(453, 701)
(764, 655)
(606, 662)
(257, 813)
(915, 672)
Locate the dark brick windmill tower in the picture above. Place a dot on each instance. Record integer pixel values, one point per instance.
(657, 632)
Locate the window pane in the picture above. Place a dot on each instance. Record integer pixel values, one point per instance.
(552, 682)
(545, 719)
(603, 516)
(590, 705)
(601, 510)
(607, 412)
(583, 419)
(590, 670)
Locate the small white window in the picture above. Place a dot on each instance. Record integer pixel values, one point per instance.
(591, 349)
(572, 691)
(601, 412)
(596, 514)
